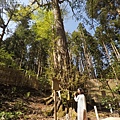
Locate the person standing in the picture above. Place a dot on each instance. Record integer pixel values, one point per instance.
(79, 97)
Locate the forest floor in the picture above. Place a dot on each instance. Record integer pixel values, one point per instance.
(18, 103)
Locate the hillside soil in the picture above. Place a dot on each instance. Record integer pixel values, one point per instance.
(28, 104)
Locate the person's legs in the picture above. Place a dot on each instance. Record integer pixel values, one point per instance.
(80, 115)
(76, 118)
(85, 115)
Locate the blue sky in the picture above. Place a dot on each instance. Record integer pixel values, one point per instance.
(70, 24)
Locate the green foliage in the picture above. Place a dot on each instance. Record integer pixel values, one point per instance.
(109, 100)
(64, 96)
(112, 94)
(43, 26)
(105, 10)
(10, 115)
(28, 94)
(116, 89)
(18, 105)
(30, 73)
(18, 43)
(45, 84)
(6, 58)
(21, 13)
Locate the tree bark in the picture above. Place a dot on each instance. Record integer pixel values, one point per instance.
(38, 68)
(61, 55)
(4, 26)
(117, 54)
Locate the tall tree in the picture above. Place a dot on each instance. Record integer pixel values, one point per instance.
(107, 32)
(86, 53)
(107, 14)
(17, 43)
(60, 51)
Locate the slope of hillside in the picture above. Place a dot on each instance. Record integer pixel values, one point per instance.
(22, 103)
(22, 98)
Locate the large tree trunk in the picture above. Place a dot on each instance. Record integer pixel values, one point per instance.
(61, 56)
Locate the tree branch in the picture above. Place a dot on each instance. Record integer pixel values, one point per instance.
(41, 5)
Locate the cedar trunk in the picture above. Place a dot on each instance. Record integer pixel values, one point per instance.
(61, 56)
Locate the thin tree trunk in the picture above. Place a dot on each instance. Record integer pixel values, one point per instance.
(117, 54)
(81, 66)
(77, 62)
(21, 60)
(110, 89)
(38, 69)
(4, 26)
(2, 35)
(82, 63)
(20, 64)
